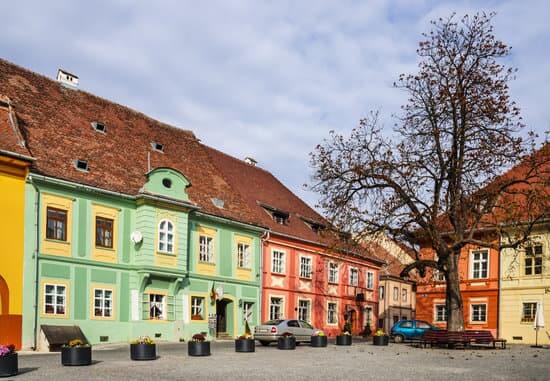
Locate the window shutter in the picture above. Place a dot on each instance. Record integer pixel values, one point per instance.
(134, 299)
(185, 308)
(145, 306)
(170, 305)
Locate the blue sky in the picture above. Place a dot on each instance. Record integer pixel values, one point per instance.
(262, 79)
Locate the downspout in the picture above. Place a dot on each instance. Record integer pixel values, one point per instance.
(36, 270)
(265, 237)
(498, 292)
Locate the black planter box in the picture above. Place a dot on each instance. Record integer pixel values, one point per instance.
(76, 356)
(343, 340)
(318, 341)
(8, 365)
(380, 340)
(286, 342)
(143, 352)
(245, 345)
(198, 348)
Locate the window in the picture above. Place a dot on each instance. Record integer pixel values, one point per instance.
(56, 224)
(368, 315)
(381, 292)
(332, 313)
(275, 308)
(533, 260)
(405, 324)
(305, 267)
(243, 255)
(99, 127)
(248, 311)
(529, 311)
(166, 237)
(103, 303)
(396, 294)
(404, 295)
(55, 299)
(157, 307)
(353, 276)
(293, 324)
(395, 319)
(157, 146)
(479, 313)
(440, 313)
(167, 183)
(104, 232)
(206, 250)
(438, 276)
(197, 308)
(81, 165)
(332, 272)
(278, 262)
(422, 325)
(280, 218)
(370, 280)
(480, 259)
(304, 310)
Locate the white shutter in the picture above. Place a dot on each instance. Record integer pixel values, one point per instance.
(134, 300)
(185, 308)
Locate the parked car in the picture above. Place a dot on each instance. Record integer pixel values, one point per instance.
(410, 330)
(270, 331)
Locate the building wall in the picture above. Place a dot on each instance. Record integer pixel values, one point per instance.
(391, 309)
(518, 288)
(12, 202)
(291, 287)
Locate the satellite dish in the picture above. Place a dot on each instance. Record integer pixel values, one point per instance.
(136, 237)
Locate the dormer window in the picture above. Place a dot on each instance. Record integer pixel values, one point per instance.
(279, 216)
(99, 127)
(315, 226)
(81, 165)
(157, 146)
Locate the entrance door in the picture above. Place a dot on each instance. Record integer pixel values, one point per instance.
(221, 313)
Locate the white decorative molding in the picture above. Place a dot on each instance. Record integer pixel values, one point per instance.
(306, 286)
(277, 282)
(134, 300)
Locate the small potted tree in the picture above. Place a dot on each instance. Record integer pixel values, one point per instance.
(143, 349)
(76, 353)
(318, 340)
(198, 346)
(286, 341)
(8, 361)
(245, 342)
(380, 338)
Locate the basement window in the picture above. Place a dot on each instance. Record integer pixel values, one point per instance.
(81, 165)
(157, 146)
(99, 127)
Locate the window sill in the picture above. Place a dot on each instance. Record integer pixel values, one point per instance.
(306, 278)
(244, 268)
(166, 253)
(332, 283)
(57, 241)
(478, 322)
(207, 263)
(104, 248)
(277, 274)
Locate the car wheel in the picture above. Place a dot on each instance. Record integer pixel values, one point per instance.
(398, 339)
(265, 343)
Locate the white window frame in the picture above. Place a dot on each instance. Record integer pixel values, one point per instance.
(472, 321)
(102, 300)
(55, 295)
(169, 237)
(355, 270)
(523, 303)
(206, 248)
(481, 262)
(198, 308)
(160, 305)
(280, 307)
(281, 262)
(306, 269)
(381, 292)
(333, 272)
(307, 310)
(436, 313)
(438, 276)
(335, 311)
(395, 294)
(243, 255)
(533, 258)
(404, 295)
(370, 280)
(248, 311)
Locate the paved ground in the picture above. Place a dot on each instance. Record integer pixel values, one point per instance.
(362, 361)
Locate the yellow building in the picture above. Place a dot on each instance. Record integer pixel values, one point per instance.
(14, 166)
(525, 281)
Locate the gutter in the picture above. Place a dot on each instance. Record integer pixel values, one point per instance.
(17, 155)
(36, 264)
(265, 237)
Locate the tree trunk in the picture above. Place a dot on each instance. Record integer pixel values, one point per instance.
(455, 313)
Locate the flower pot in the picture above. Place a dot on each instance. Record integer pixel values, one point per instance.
(198, 348)
(286, 342)
(8, 365)
(76, 356)
(143, 352)
(318, 341)
(343, 340)
(245, 345)
(380, 340)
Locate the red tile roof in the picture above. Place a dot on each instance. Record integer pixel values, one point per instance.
(11, 139)
(56, 122)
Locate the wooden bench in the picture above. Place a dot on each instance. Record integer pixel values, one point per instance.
(484, 338)
(432, 338)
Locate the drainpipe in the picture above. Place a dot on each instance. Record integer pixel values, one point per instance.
(265, 237)
(36, 271)
(498, 292)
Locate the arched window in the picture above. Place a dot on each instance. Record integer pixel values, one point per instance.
(166, 236)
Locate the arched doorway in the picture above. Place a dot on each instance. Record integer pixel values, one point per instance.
(4, 297)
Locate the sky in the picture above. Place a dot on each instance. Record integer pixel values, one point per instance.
(266, 79)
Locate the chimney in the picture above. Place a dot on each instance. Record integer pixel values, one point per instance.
(67, 79)
(250, 161)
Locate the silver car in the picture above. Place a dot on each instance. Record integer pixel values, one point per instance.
(271, 330)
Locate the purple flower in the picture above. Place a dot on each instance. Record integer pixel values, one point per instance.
(6, 350)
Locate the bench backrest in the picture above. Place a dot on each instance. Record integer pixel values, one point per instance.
(479, 336)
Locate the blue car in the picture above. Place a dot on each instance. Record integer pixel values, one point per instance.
(410, 330)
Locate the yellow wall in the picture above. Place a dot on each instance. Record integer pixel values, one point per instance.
(517, 289)
(12, 199)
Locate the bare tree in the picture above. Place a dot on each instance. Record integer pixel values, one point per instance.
(437, 180)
